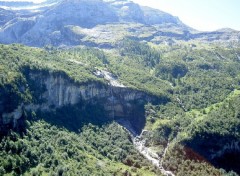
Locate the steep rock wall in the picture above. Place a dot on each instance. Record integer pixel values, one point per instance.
(52, 91)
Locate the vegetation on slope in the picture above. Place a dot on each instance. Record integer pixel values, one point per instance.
(200, 140)
(50, 150)
(201, 115)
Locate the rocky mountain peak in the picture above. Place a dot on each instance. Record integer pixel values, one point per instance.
(48, 22)
(90, 22)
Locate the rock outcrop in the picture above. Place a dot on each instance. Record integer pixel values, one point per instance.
(53, 91)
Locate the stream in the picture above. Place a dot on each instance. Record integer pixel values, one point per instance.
(139, 143)
(138, 140)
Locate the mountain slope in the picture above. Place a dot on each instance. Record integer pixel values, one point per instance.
(158, 98)
(158, 92)
(50, 25)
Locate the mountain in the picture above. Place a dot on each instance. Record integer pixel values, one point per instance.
(109, 87)
(83, 22)
(5, 16)
(87, 15)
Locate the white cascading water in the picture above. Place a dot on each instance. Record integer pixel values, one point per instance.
(138, 141)
(139, 144)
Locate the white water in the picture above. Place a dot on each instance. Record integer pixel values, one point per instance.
(113, 81)
(139, 144)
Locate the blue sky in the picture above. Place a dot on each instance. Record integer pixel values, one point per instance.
(205, 15)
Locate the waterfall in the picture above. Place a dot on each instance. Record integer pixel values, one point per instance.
(139, 143)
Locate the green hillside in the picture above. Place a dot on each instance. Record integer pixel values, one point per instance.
(197, 112)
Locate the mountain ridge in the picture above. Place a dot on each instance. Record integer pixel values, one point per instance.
(55, 23)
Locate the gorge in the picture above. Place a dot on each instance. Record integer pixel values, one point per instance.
(110, 87)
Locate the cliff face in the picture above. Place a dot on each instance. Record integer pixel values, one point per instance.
(52, 91)
(10, 120)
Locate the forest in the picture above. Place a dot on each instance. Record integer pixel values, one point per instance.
(201, 86)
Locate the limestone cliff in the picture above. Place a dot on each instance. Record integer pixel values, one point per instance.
(52, 91)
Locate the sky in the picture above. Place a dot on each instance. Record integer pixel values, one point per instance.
(204, 15)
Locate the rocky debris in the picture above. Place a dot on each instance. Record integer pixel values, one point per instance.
(139, 142)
